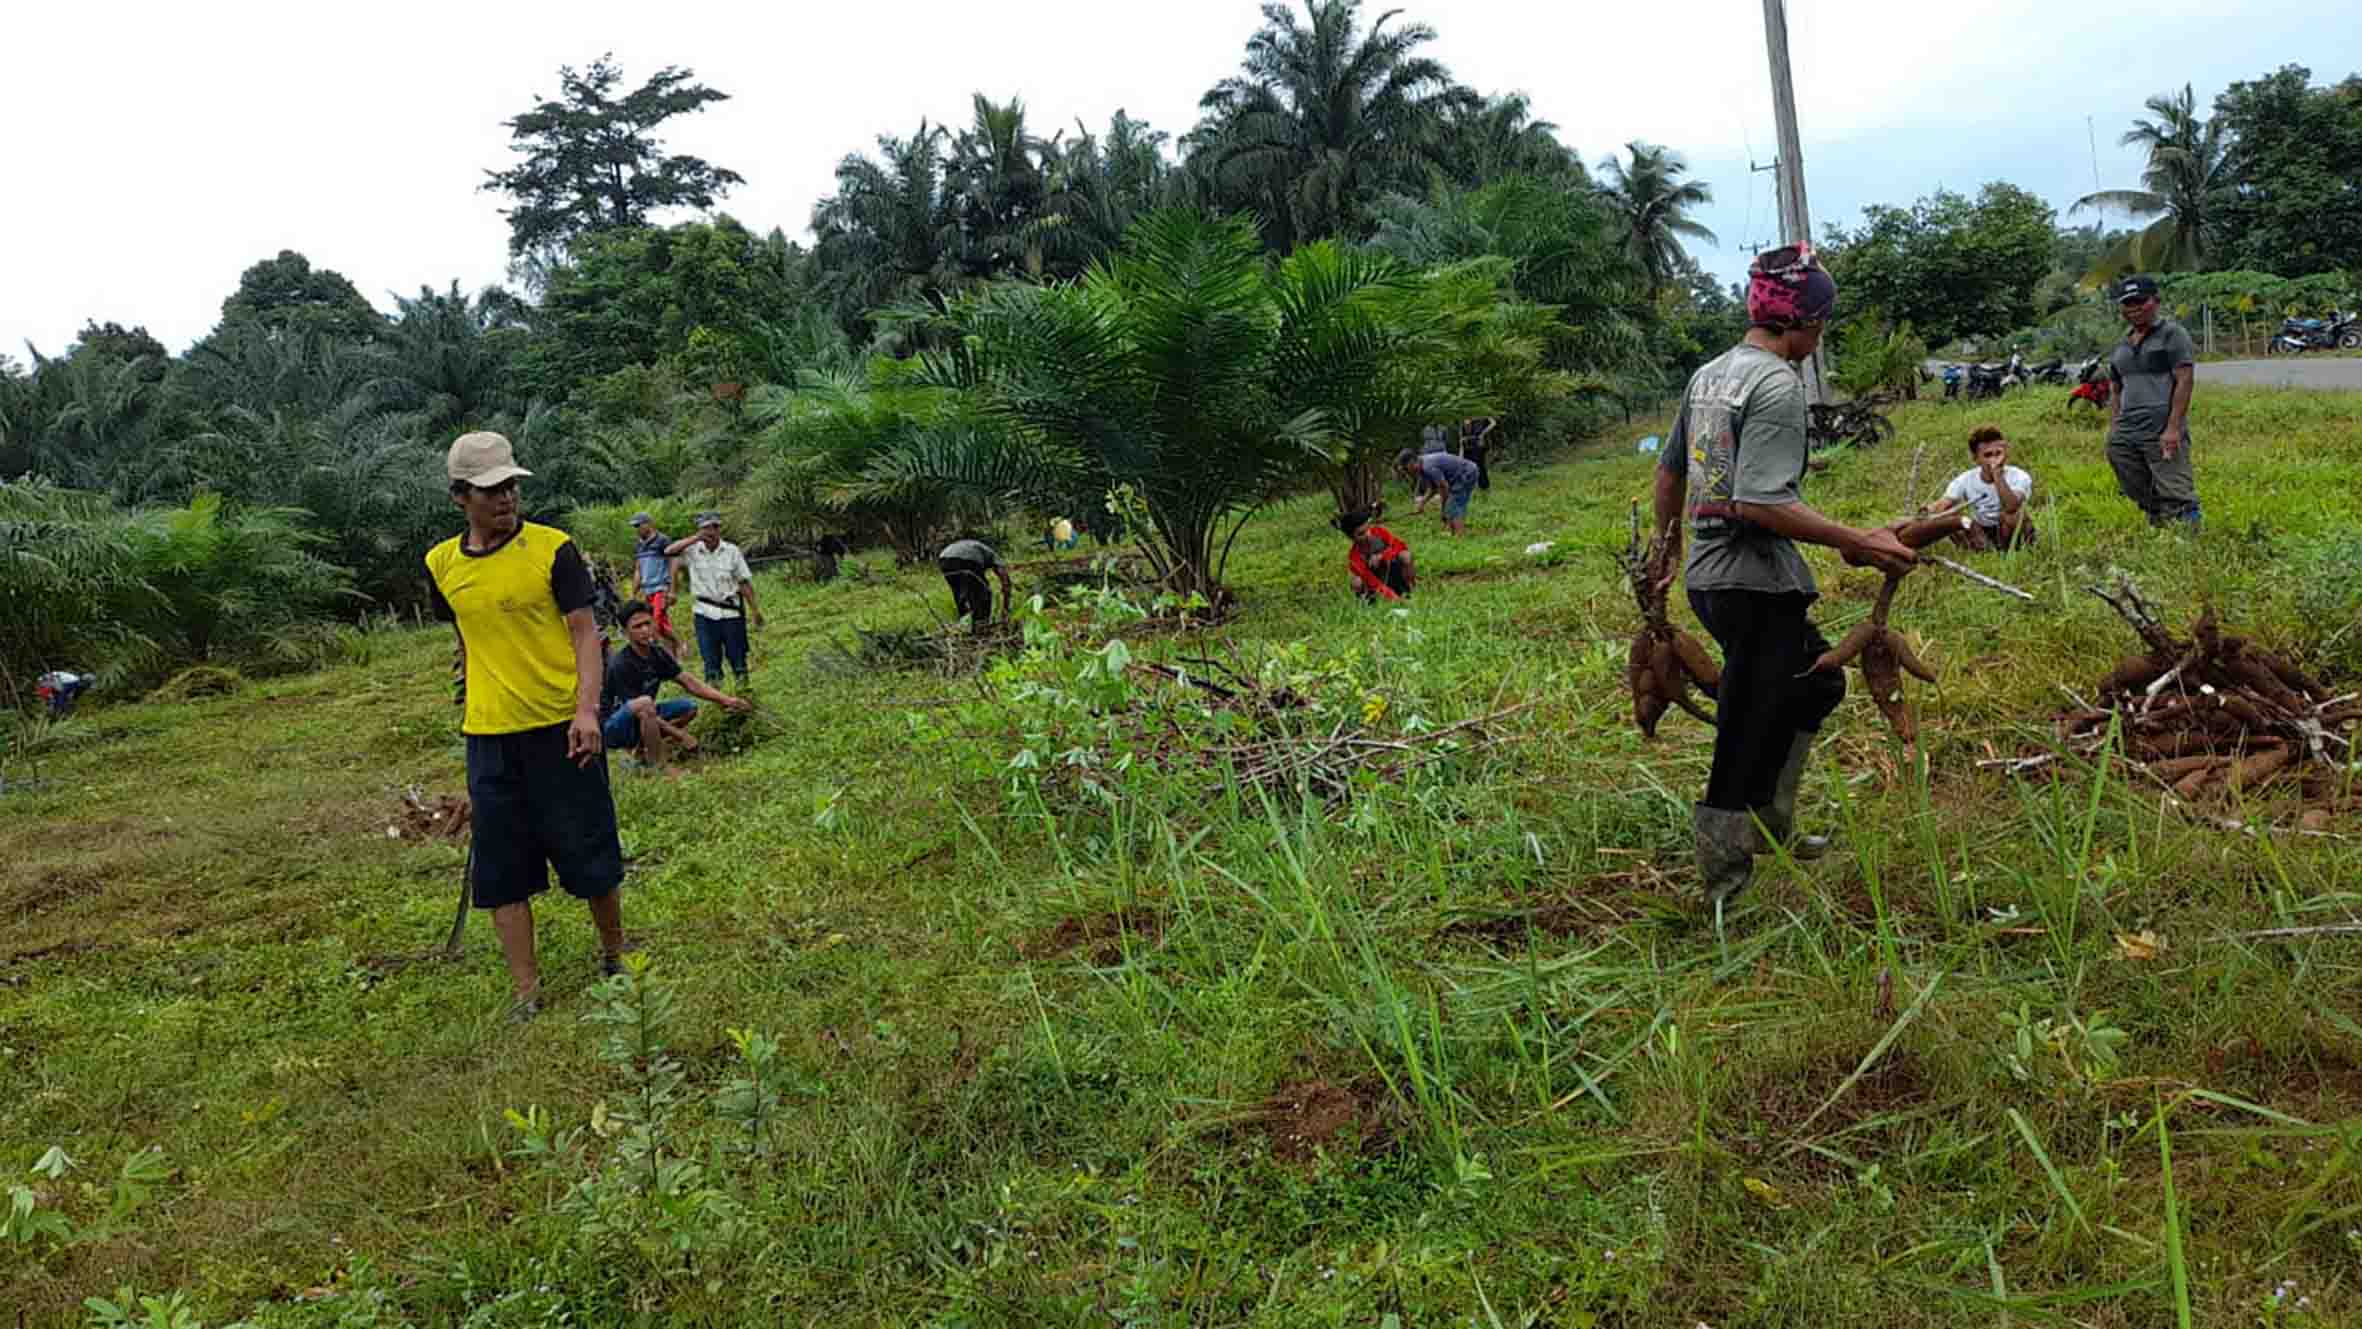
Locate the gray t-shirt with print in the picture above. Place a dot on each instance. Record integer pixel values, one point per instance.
(1741, 435)
(2144, 380)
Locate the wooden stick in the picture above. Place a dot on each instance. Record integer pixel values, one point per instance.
(1978, 577)
(2282, 934)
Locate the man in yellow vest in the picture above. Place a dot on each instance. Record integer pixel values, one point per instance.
(519, 595)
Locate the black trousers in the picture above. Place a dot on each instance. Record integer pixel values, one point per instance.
(971, 597)
(1767, 697)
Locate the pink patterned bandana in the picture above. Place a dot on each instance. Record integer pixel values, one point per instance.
(1786, 287)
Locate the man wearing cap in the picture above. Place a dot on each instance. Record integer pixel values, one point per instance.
(2148, 413)
(652, 576)
(519, 596)
(724, 588)
(1733, 473)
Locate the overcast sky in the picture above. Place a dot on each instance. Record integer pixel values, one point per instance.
(158, 150)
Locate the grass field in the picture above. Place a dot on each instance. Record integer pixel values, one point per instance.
(948, 1038)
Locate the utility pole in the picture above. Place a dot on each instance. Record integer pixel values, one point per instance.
(1795, 218)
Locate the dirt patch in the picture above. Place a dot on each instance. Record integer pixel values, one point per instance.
(1779, 1100)
(441, 817)
(1104, 933)
(2316, 1082)
(1305, 1117)
(1597, 907)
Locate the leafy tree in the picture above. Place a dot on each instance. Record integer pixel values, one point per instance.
(1653, 201)
(2296, 208)
(1324, 118)
(630, 297)
(288, 297)
(1873, 357)
(592, 161)
(1949, 266)
(116, 342)
(2189, 167)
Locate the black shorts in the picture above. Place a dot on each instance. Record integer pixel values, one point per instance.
(534, 809)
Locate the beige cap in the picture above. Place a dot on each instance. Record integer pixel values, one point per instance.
(483, 459)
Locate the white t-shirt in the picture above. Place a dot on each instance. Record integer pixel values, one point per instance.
(1970, 487)
(714, 574)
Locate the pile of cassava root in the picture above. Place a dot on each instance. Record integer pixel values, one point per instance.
(2215, 714)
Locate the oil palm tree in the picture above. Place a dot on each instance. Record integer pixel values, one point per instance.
(1097, 188)
(2189, 166)
(1323, 118)
(1193, 373)
(1653, 201)
(995, 186)
(1501, 137)
(888, 235)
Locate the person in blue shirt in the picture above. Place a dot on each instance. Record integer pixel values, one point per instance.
(652, 577)
(1441, 472)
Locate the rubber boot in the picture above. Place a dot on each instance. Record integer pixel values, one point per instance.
(1779, 819)
(1726, 851)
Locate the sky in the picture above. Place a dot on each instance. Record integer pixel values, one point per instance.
(170, 146)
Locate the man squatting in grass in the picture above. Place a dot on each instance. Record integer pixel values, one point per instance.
(652, 574)
(634, 717)
(963, 564)
(1380, 563)
(518, 594)
(2148, 413)
(1993, 491)
(1734, 470)
(724, 588)
(1431, 472)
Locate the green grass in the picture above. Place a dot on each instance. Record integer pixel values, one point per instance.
(1460, 1052)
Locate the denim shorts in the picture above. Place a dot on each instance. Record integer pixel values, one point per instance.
(622, 729)
(1455, 501)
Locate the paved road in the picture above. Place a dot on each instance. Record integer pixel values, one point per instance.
(2329, 373)
(2286, 371)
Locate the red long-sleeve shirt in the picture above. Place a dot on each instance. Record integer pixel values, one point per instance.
(1361, 567)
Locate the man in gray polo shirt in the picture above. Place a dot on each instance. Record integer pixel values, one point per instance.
(2148, 414)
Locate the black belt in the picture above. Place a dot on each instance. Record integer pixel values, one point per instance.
(730, 604)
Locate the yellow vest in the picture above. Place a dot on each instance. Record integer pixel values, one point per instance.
(520, 655)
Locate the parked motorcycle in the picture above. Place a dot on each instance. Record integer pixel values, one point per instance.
(2054, 372)
(1953, 374)
(2298, 335)
(2092, 384)
(1991, 380)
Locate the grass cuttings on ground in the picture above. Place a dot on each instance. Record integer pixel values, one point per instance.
(919, 1046)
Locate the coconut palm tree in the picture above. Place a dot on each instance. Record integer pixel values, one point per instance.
(1653, 201)
(1323, 118)
(2189, 167)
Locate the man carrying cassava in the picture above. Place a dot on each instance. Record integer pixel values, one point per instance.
(1733, 475)
(519, 595)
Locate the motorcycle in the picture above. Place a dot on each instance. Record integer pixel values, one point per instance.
(2054, 372)
(2093, 385)
(1952, 377)
(2298, 335)
(1991, 380)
